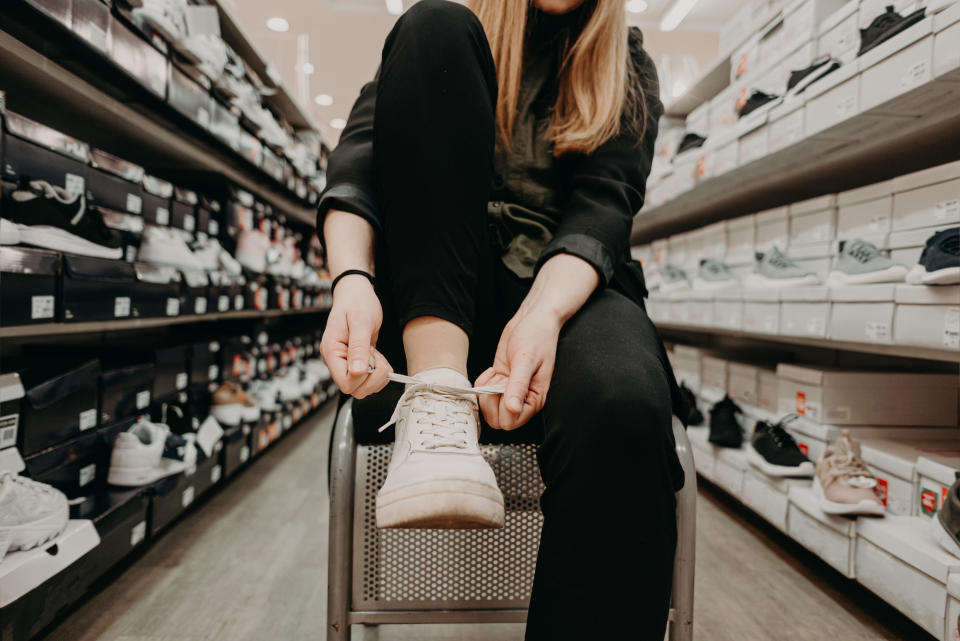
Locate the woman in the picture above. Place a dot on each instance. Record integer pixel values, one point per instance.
(493, 195)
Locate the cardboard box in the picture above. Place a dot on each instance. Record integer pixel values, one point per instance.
(868, 397)
(927, 316)
(96, 289)
(862, 313)
(60, 404)
(946, 44)
(952, 630)
(741, 234)
(728, 309)
(700, 307)
(831, 537)
(936, 473)
(754, 146)
(773, 229)
(816, 258)
(703, 451)
(761, 311)
(125, 391)
(743, 382)
(713, 375)
(813, 438)
(928, 206)
(804, 311)
(687, 363)
(838, 34)
(768, 390)
(813, 221)
(865, 211)
(898, 66)
(906, 246)
(833, 100)
(767, 496)
(138, 58)
(30, 292)
(893, 462)
(730, 466)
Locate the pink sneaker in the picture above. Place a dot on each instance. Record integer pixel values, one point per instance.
(844, 484)
(252, 248)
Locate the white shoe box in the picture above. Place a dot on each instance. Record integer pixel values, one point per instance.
(768, 391)
(831, 537)
(815, 257)
(677, 250)
(835, 99)
(721, 159)
(698, 120)
(743, 383)
(661, 251)
(741, 235)
(952, 630)
(730, 465)
(713, 376)
(894, 462)
(898, 559)
(927, 316)
(679, 305)
(804, 311)
(728, 309)
(907, 245)
(754, 145)
(862, 313)
(867, 397)
(686, 366)
(936, 472)
(702, 450)
(773, 229)
(946, 45)
(658, 308)
(644, 254)
(866, 211)
(870, 9)
(812, 438)
(701, 308)
(761, 311)
(928, 206)
(714, 241)
(21, 572)
(838, 34)
(813, 220)
(786, 124)
(767, 495)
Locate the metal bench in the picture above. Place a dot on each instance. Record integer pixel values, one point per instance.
(457, 576)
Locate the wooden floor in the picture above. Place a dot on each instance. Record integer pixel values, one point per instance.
(250, 565)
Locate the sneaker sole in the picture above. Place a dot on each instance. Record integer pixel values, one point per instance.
(892, 274)
(61, 240)
(943, 539)
(441, 505)
(945, 276)
(867, 508)
(804, 470)
(31, 535)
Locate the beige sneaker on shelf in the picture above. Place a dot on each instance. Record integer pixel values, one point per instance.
(844, 484)
(437, 478)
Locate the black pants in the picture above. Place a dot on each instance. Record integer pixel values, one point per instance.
(606, 452)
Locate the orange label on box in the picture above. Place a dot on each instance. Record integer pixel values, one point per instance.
(803, 447)
(882, 488)
(943, 495)
(801, 403)
(928, 501)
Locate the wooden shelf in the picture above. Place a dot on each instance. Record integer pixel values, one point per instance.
(704, 89)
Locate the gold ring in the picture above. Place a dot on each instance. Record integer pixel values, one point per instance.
(373, 365)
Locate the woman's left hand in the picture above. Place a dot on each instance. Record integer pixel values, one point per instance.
(524, 361)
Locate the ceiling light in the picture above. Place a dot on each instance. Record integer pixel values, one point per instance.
(338, 123)
(324, 100)
(636, 6)
(278, 24)
(306, 68)
(675, 14)
(395, 7)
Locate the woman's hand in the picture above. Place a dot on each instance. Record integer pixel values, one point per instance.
(524, 361)
(350, 338)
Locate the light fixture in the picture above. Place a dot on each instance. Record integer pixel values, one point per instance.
(278, 24)
(306, 68)
(324, 100)
(395, 7)
(636, 6)
(675, 14)
(338, 123)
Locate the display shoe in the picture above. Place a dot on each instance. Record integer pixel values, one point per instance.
(289, 385)
(31, 513)
(774, 270)
(47, 216)
(164, 246)
(148, 452)
(802, 78)
(861, 263)
(843, 483)
(267, 394)
(318, 368)
(166, 17)
(232, 406)
(437, 477)
(756, 100)
(694, 415)
(713, 275)
(885, 26)
(252, 246)
(940, 261)
(725, 429)
(9, 232)
(690, 141)
(945, 524)
(673, 279)
(774, 452)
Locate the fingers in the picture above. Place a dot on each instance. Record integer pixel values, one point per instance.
(377, 379)
(522, 369)
(490, 403)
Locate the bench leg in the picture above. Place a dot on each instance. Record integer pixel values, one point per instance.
(342, 464)
(681, 628)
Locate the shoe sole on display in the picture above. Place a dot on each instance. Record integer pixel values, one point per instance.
(441, 504)
(139, 476)
(867, 508)
(946, 276)
(757, 281)
(36, 533)
(713, 285)
(942, 538)
(231, 414)
(756, 459)
(892, 274)
(58, 239)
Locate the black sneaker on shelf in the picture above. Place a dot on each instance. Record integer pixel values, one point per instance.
(885, 26)
(47, 216)
(694, 416)
(800, 79)
(725, 430)
(690, 141)
(756, 100)
(940, 261)
(774, 452)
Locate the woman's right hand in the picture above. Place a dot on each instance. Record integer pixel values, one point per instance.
(350, 338)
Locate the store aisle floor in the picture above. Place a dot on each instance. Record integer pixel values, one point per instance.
(250, 565)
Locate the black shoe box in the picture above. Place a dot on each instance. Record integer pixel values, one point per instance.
(72, 467)
(96, 289)
(188, 92)
(260, 433)
(249, 146)
(121, 517)
(183, 214)
(30, 288)
(209, 470)
(232, 357)
(137, 57)
(106, 435)
(195, 294)
(37, 152)
(129, 227)
(60, 10)
(125, 392)
(170, 497)
(205, 362)
(236, 448)
(208, 216)
(59, 405)
(156, 196)
(171, 374)
(156, 293)
(91, 20)
(114, 183)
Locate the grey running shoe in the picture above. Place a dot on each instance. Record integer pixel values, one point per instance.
(774, 269)
(945, 525)
(714, 275)
(861, 262)
(673, 279)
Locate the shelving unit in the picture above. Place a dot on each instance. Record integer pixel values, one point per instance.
(704, 88)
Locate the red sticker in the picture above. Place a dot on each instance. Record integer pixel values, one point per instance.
(801, 403)
(882, 489)
(803, 447)
(928, 501)
(944, 492)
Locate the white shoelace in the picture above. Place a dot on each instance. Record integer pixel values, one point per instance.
(449, 418)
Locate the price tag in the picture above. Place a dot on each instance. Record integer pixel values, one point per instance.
(73, 184)
(87, 474)
(88, 419)
(121, 306)
(182, 380)
(216, 474)
(947, 209)
(200, 305)
(213, 228)
(143, 399)
(916, 74)
(134, 204)
(238, 302)
(8, 430)
(163, 216)
(878, 331)
(173, 307)
(223, 303)
(244, 454)
(138, 533)
(189, 222)
(951, 328)
(187, 497)
(212, 372)
(42, 306)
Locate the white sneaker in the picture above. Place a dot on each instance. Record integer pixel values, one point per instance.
(289, 384)
(319, 369)
(162, 246)
(147, 452)
(437, 477)
(252, 246)
(31, 513)
(266, 393)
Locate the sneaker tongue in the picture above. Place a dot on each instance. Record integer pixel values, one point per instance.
(443, 376)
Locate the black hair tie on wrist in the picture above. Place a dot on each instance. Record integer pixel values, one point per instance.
(351, 272)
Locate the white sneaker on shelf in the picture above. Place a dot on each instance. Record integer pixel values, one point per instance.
(147, 452)
(318, 368)
(266, 393)
(437, 477)
(31, 513)
(289, 385)
(162, 246)
(252, 248)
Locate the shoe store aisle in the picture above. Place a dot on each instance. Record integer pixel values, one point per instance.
(252, 565)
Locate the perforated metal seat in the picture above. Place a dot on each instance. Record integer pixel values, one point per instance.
(457, 576)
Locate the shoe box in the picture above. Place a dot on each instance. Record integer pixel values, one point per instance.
(729, 466)
(279, 293)
(741, 237)
(30, 286)
(686, 365)
(761, 310)
(265, 432)
(727, 309)
(816, 258)
(894, 464)
(183, 209)
(256, 293)
(59, 10)
(273, 166)
(236, 448)
(195, 298)
(72, 467)
(773, 229)
(658, 308)
(867, 211)
(713, 377)
(96, 289)
(936, 472)
(171, 373)
(229, 291)
(804, 311)
(188, 91)
(678, 306)
(867, 397)
(907, 245)
(927, 198)
(12, 394)
(125, 391)
(839, 34)
(946, 53)
(156, 293)
(137, 57)
(813, 438)
(703, 451)
(41, 153)
(91, 20)
(208, 216)
(862, 313)
(768, 496)
(744, 383)
(205, 363)
(829, 536)
(832, 102)
(225, 125)
(114, 184)
(899, 560)
(700, 308)
(248, 145)
(156, 195)
(171, 496)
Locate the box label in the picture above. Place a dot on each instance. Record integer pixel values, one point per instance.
(878, 331)
(163, 216)
(41, 306)
(73, 184)
(216, 474)
(189, 222)
(951, 328)
(137, 533)
(200, 305)
(8, 430)
(182, 380)
(816, 325)
(173, 307)
(88, 419)
(187, 497)
(87, 474)
(121, 306)
(947, 209)
(134, 204)
(803, 447)
(916, 74)
(212, 372)
(883, 489)
(223, 303)
(928, 501)
(801, 404)
(244, 454)
(143, 399)
(213, 228)
(238, 302)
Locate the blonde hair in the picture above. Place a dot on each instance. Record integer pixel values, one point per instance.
(597, 90)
